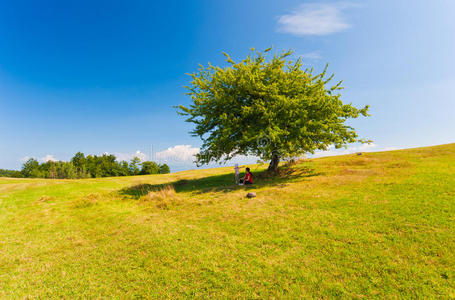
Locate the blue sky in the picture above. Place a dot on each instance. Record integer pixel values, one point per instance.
(103, 76)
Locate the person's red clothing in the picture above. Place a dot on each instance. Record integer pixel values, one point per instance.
(248, 177)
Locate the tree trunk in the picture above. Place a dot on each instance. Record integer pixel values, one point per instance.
(274, 163)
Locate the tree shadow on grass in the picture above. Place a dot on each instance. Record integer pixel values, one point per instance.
(224, 182)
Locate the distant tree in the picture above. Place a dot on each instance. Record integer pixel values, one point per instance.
(109, 167)
(31, 168)
(48, 169)
(134, 166)
(65, 170)
(94, 166)
(124, 168)
(52, 172)
(164, 169)
(272, 109)
(79, 163)
(149, 167)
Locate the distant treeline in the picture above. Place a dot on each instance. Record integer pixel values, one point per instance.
(10, 173)
(90, 166)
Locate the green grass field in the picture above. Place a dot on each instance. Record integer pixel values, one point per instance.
(378, 225)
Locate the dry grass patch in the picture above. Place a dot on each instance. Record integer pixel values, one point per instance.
(163, 197)
(45, 198)
(360, 172)
(401, 165)
(87, 201)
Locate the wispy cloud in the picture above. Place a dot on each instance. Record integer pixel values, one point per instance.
(130, 156)
(25, 158)
(314, 19)
(48, 157)
(354, 149)
(313, 55)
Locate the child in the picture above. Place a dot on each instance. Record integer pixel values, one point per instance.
(248, 179)
(236, 168)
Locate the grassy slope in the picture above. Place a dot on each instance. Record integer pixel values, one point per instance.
(380, 224)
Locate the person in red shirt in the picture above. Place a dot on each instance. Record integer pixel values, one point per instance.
(248, 179)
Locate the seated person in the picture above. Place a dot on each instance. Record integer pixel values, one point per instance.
(248, 179)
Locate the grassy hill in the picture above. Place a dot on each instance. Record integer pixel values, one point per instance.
(375, 225)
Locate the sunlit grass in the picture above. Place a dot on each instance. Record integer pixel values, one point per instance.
(375, 225)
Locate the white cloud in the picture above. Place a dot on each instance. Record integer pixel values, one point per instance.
(182, 157)
(130, 156)
(314, 19)
(48, 157)
(313, 55)
(25, 158)
(140, 155)
(178, 154)
(185, 154)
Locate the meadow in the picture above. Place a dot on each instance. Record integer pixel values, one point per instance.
(376, 225)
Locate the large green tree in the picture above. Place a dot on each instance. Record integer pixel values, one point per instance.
(270, 108)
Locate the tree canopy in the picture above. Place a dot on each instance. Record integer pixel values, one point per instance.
(269, 108)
